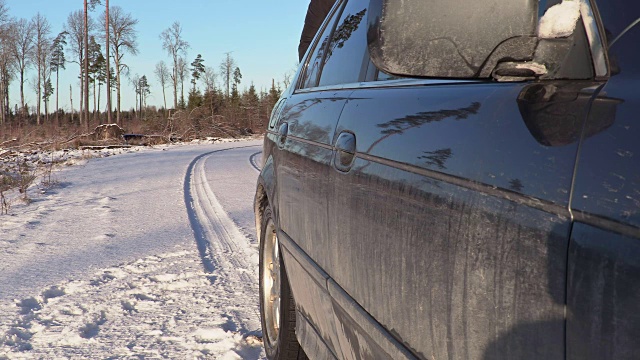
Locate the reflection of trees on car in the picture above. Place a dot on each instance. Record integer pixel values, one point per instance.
(317, 11)
(343, 32)
(294, 113)
(437, 158)
(516, 185)
(305, 128)
(399, 126)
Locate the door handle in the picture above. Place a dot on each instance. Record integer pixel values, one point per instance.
(283, 131)
(345, 151)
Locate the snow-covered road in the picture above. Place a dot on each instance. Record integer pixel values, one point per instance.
(146, 254)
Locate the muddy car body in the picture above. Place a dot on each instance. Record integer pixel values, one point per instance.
(407, 212)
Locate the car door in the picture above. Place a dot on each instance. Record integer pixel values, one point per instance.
(305, 126)
(603, 306)
(448, 216)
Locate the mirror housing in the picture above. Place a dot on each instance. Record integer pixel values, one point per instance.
(452, 38)
(502, 39)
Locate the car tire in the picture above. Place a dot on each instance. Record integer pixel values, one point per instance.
(277, 306)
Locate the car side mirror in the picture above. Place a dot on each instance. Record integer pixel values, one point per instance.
(503, 39)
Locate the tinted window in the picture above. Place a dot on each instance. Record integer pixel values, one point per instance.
(346, 55)
(310, 78)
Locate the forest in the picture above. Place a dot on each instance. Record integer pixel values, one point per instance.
(197, 101)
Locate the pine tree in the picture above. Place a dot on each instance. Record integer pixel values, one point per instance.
(144, 89)
(58, 61)
(46, 94)
(237, 77)
(251, 101)
(274, 94)
(197, 69)
(195, 99)
(96, 62)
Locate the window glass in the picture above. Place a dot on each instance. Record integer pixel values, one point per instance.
(274, 113)
(315, 60)
(384, 76)
(346, 55)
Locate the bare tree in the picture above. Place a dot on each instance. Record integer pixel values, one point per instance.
(173, 43)
(42, 49)
(226, 70)
(4, 12)
(105, 25)
(6, 72)
(6, 69)
(209, 78)
(123, 39)
(135, 82)
(6, 60)
(23, 41)
(183, 73)
(210, 83)
(75, 28)
(85, 84)
(71, 100)
(88, 4)
(108, 60)
(286, 78)
(162, 74)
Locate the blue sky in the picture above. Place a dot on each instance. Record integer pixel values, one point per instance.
(262, 36)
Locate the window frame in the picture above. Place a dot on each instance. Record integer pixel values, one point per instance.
(331, 20)
(369, 72)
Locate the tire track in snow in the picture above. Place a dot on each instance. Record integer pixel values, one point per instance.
(226, 253)
(254, 161)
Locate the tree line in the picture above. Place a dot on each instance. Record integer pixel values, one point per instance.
(101, 39)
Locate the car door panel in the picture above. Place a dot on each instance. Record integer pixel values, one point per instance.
(304, 164)
(314, 313)
(603, 317)
(451, 228)
(603, 307)
(304, 167)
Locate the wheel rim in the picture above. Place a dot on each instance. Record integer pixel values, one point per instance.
(271, 278)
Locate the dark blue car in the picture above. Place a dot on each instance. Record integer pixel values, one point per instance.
(456, 180)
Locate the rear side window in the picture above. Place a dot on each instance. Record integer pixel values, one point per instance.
(346, 57)
(275, 113)
(310, 78)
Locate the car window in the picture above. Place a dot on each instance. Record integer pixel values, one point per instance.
(384, 76)
(274, 114)
(346, 56)
(310, 78)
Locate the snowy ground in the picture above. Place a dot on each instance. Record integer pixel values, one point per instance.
(147, 254)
